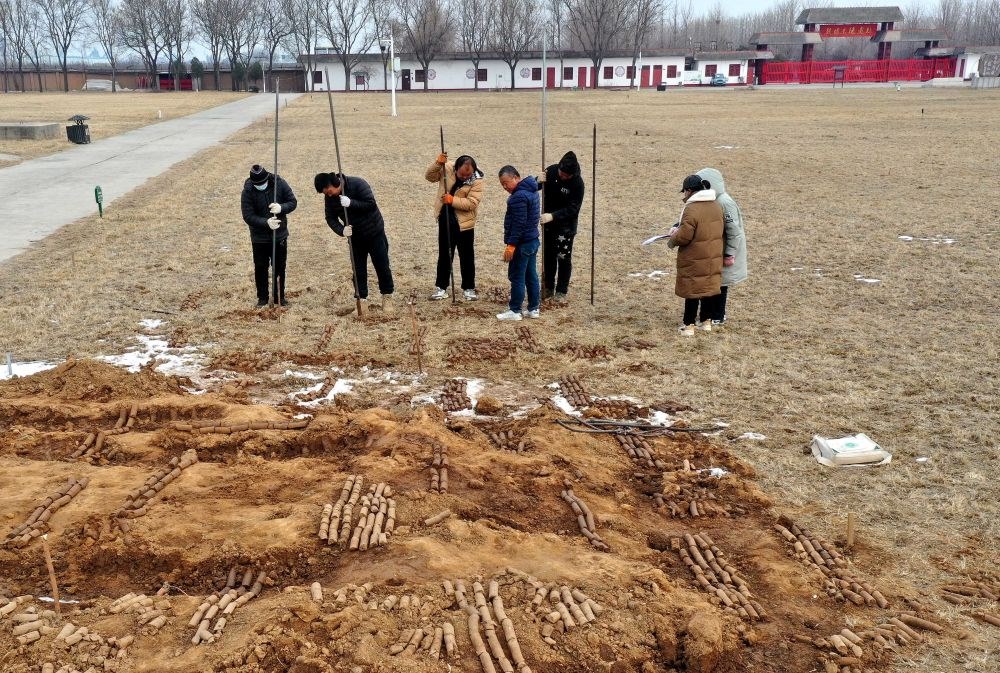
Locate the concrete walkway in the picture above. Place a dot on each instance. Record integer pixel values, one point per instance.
(44, 194)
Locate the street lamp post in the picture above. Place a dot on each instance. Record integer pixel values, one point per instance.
(383, 43)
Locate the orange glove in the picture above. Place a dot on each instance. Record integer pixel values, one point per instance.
(508, 253)
(442, 158)
(448, 199)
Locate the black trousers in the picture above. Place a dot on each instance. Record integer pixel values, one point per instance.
(261, 263)
(377, 248)
(465, 241)
(709, 309)
(558, 260)
(721, 307)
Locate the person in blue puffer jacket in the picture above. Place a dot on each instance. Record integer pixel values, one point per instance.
(520, 234)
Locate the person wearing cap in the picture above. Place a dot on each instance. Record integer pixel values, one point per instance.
(563, 191)
(265, 214)
(698, 237)
(734, 260)
(520, 234)
(351, 212)
(456, 207)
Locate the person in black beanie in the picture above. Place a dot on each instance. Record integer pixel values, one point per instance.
(351, 212)
(263, 214)
(563, 192)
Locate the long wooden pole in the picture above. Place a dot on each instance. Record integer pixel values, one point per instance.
(545, 111)
(593, 215)
(447, 223)
(52, 575)
(274, 232)
(343, 185)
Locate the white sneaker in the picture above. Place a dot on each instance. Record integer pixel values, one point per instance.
(686, 330)
(439, 293)
(705, 325)
(508, 315)
(470, 295)
(537, 313)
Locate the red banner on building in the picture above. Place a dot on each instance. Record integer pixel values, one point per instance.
(849, 30)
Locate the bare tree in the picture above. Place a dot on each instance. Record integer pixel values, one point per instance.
(63, 21)
(476, 31)
(275, 29)
(172, 16)
(557, 17)
(19, 21)
(240, 37)
(644, 14)
(207, 16)
(346, 25)
(383, 21)
(597, 25)
(143, 34)
(516, 29)
(105, 27)
(427, 28)
(303, 21)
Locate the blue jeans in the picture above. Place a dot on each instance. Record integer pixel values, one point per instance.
(523, 274)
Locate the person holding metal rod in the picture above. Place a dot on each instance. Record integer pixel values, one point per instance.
(456, 207)
(520, 234)
(266, 202)
(351, 212)
(563, 188)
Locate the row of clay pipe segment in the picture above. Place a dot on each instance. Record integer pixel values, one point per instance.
(376, 517)
(37, 523)
(136, 502)
(92, 447)
(221, 604)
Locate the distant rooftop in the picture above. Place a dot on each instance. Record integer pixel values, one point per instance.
(838, 15)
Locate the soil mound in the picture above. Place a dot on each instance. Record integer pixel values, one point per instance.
(91, 381)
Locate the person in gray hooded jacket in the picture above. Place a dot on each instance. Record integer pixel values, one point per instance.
(734, 262)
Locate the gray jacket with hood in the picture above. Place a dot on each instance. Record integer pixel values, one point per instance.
(735, 242)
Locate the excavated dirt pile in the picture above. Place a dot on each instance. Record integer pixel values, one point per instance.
(204, 533)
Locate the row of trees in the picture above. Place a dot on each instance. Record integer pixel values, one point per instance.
(242, 31)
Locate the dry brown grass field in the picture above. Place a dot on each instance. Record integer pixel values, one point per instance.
(110, 114)
(828, 181)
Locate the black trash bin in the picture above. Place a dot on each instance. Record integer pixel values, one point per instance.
(661, 87)
(79, 132)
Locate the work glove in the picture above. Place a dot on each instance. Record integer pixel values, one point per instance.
(447, 199)
(508, 253)
(729, 260)
(275, 208)
(348, 231)
(274, 223)
(546, 218)
(442, 158)
(540, 179)
(345, 201)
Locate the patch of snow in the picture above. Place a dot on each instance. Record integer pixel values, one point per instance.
(753, 436)
(25, 368)
(934, 240)
(905, 238)
(798, 268)
(341, 387)
(462, 412)
(151, 323)
(922, 459)
(289, 374)
(867, 281)
(563, 405)
(422, 399)
(660, 418)
(715, 471)
(474, 388)
(654, 274)
(301, 417)
(726, 147)
(186, 361)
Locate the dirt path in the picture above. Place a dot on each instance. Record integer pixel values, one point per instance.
(50, 192)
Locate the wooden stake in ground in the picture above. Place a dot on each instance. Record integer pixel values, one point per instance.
(52, 574)
(593, 215)
(447, 222)
(417, 345)
(343, 185)
(852, 524)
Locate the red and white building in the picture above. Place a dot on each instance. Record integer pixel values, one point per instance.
(568, 70)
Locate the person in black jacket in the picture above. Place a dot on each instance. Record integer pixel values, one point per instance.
(563, 191)
(263, 214)
(364, 230)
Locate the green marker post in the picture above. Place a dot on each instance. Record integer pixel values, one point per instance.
(99, 197)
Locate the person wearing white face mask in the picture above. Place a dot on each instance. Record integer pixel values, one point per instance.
(263, 215)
